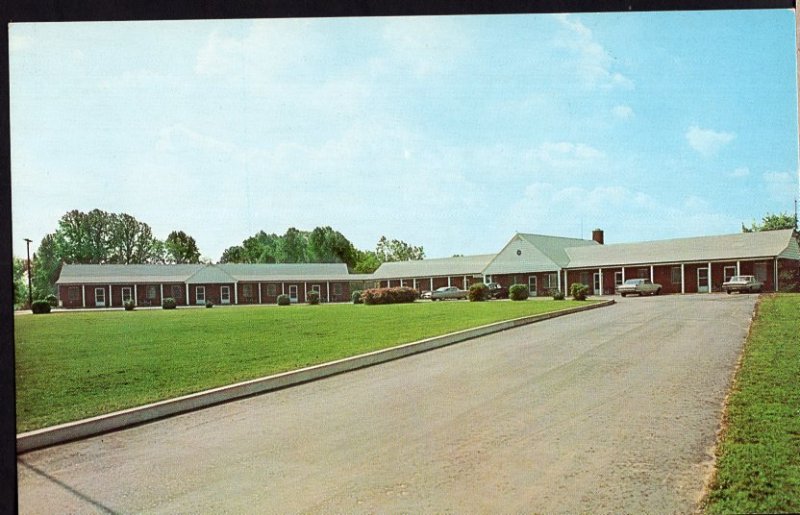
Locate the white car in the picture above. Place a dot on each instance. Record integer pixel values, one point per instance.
(448, 292)
(639, 286)
(742, 283)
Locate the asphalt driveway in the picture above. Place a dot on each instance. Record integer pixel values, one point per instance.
(610, 410)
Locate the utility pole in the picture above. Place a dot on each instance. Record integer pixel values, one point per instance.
(30, 290)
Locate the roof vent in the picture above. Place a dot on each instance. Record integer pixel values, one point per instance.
(597, 235)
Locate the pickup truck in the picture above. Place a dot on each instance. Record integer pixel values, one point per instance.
(639, 286)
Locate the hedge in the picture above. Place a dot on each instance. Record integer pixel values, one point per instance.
(518, 292)
(396, 295)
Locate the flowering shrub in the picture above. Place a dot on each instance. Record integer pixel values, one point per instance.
(578, 291)
(478, 292)
(389, 295)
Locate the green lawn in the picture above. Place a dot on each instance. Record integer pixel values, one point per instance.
(759, 456)
(75, 365)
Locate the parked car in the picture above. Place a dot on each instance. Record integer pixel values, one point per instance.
(425, 295)
(742, 283)
(497, 291)
(448, 292)
(639, 286)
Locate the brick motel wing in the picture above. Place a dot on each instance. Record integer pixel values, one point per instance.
(543, 263)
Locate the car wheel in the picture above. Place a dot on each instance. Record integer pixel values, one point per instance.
(621, 294)
(658, 291)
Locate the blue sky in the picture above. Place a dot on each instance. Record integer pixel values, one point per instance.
(448, 132)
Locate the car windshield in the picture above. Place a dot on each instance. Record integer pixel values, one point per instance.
(634, 281)
(740, 278)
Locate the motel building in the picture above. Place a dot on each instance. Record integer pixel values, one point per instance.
(543, 263)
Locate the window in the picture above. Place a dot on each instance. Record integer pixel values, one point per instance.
(272, 289)
(617, 278)
(247, 290)
(676, 275)
(200, 293)
(126, 294)
(761, 272)
(643, 273)
(74, 293)
(551, 281)
(151, 292)
(177, 291)
(337, 289)
(585, 278)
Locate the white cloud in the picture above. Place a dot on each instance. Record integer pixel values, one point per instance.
(706, 141)
(623, 112)
(742, 171)
(781, 187)
(592, 63)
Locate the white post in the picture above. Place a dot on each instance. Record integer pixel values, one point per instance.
(259, 293)
(776, 274)
(162, 293)
(187, 294)
(283, 288)
(328, 290)
(651, 273)
(710, 289)
(110, 301)
(683, 278)
(738, 272)
(448, 281)
(305, 292)
(558, 280)
(465, 282)
(135, 295)
(236, 292)
(623, 275)
(601, 282)
(83, 295)
(414, 282)
(431, 284)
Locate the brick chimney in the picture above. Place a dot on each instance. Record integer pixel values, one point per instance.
(597, 235)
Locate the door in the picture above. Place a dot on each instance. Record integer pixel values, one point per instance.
(126, 295)
(532, 285)
(225, 295)
(293, 293)
(598, 288)
(702, 280)
(100, 297)
(316, 288)
(200, 294)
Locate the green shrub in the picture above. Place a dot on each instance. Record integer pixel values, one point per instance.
(356, 296)
(284, 300)
(169, 303)
(578, 291)
(128, 305)
(397, 295)
(478, 292)
(518, 292)
(52, 300)
(312, 297)
(557, 294)
(209, 304)
(40, 307)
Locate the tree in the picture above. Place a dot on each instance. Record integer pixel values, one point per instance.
(46, 267)
(292, 247)
(397, 250)
(20, 286)
(233, 254)
(773, 222)
(181, 248)
(366, 262)
(328, 246)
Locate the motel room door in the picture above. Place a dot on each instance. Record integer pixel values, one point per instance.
(598, 288)
(100, 297)
(532, 286)
(702, 280)
(293, 293)
(225, 295)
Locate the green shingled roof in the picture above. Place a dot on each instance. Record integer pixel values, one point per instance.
(534, 253)
(288, 271)
(114, 274)
(438, 267)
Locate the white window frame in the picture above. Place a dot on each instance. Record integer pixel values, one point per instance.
(127, 294)
(272, 289)
(247, 290)
(293, 297)
(76, 290)
(224, 291)
(533, 290)
(763, 278)
(672, 271)
(725, 275)
(152, 292)
(597, 283)
(618, 279)
(551, 280)
(102, 292)
(337, 288)
(708, 280)
(199, 294)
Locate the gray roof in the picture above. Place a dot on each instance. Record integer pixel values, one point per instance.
(211, 274)
(438, 267)
(765, 244)
(288, 271)
(107, 274)
(534, 253)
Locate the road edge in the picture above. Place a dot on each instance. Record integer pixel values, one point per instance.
(80, 429)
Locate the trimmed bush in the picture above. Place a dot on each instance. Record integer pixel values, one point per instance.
(284, 300)
(40, 307)
(312, 297)
(578, 291)
(518, 292)
(356, 296)
(398, 295)
(52, 300)
(557, 295)
(128, 305)
(478, 292)
(169, 303)
(209, 304)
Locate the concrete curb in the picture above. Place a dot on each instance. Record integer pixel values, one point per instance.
(54, 435)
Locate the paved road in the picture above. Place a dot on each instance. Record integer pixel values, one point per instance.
(611, 410)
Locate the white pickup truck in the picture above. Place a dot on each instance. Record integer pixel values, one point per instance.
(639, 286)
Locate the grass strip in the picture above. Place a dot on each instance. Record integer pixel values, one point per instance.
(758, 468)
(75, 365)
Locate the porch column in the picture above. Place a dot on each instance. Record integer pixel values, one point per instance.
(135, 295)
(710, 289)
(414, 282)
(236, 292)
(388, 283)
(558, 280)
(110, 301)
(305, 292)
(651, 273)
(465, 282)
(83, 295)
(283, 288)
(328, 290)
(776, 274)
(448, 281)
(187, 294)
(683, 278)
(623, 275)
(601, 282)
(161, 299)
(431, 284)
(259, 293)
(738, 272)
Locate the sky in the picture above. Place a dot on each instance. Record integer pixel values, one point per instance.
(452, 133)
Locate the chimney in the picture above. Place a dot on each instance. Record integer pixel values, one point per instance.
(597, 235)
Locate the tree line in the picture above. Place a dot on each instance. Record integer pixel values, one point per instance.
(100, 237)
